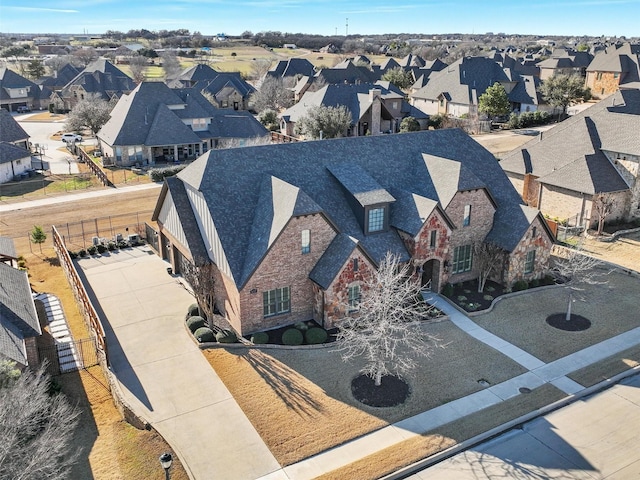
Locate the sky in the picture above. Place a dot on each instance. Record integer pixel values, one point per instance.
(325, 17)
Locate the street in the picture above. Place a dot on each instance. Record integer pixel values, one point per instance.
(593, 438)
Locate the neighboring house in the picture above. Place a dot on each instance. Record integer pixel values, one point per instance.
(15, 156)
(595, 151)
(295, 229)
(422, 74)
(157, 123)
(455, 90)
(375, 108)
(565, 62)
(19, 324)
(57, 81)
(8, 253)
(614, 68)
(227, 89)
(292, 68)
(17, 91)
(100, 78)
(343, 73)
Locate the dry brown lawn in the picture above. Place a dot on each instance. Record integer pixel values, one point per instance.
(624, 251)
(612, 309)
(501, 143)
(608, 367)
(303, 390)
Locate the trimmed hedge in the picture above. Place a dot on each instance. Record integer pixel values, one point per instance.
(293, 336)
(226, 336)
(195, 322)
(520, 285)
(260, 338)
(316, 335)
(204, 334)
(193, 310)
(303, 327)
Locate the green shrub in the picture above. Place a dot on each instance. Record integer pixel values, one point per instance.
(101, 248)
(489, 288)
(226, 336)
(260, 338)
(195, 322)
(73, 255)
(447, 290)
(292, 336)
(92, 250)
(159, 174)
(82, 253)
(303, 327)
(193, 310)
(534, 283)
(316, 335)
(520, 285)
(111, 246)
(123, 244)
(22, 263)
(487, 297)
(204, 334)
(461, 298)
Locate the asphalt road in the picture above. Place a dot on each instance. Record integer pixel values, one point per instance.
(55, 160)
(593, 438)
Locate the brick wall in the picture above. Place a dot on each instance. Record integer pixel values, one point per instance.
(541, 243)
(482, 211)
(285, 266)
(561, 203)
(603, 86)
(31, 346)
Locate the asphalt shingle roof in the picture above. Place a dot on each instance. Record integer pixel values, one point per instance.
(10, 152)
(333, 259)
(10, 80)
(10, 130)
(232, 184)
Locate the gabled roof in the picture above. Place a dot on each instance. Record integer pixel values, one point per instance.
(66, 74)
(410, 211)
(570, 155)
(362, 187)
(389, 64)
(346, 72)
(225, 80)
(10, 152)
(103, 78)
(617, 59)
(292, 68)
(449, 177)
(7, 248)
(197, 73)
(18, 317)
(231, 182)
(412, 60)
(10, 130)
(333, 259)
(10, 80)
(526, 91)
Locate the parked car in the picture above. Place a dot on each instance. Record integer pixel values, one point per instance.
(70, 137)
(23, 109)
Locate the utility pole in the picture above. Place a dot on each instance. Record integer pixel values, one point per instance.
(347, 28)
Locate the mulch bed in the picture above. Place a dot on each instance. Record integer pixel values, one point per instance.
(391, 392)
(275, 335)
(576, 323)
(466, 295)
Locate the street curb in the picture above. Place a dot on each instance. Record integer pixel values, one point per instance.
(494, 432)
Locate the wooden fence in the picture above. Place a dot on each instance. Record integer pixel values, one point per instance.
(97, 171)
(277, 137)
(82, 298)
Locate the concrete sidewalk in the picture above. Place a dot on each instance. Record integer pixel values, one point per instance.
(162, 373)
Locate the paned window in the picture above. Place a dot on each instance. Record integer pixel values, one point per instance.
(355, 265)
(462, 259)
(354, 297)
(530, 261)
(306, 241)
(276, 301)
(467, 216)
(376, 220)
(433, 238)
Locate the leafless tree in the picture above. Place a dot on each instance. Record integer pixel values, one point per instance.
(487, 259)
(259, 67)
(273, 94)
(92, 112)
(603, 204)
(55, 64)
(85, 55)
(138, 65)
(575, 270)
(386, 330)
(170, 64)
(36, 428)
(200, 275)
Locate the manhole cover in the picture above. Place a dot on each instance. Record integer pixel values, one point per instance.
(524, 390)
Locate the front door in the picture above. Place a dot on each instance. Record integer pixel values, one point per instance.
(431, 275)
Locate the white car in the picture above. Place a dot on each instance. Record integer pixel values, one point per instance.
(70, 137)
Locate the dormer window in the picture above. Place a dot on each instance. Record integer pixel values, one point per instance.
(376, 220)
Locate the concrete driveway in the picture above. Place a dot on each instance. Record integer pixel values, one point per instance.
(161, 371)
(593, 438)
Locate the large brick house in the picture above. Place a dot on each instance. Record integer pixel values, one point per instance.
(294, 229)
(615, 68)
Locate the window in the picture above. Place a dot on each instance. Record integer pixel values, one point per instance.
(433, 238)
(276, 301)
(354, 297)
(616, 75)
(462, 259)
(306, 241)
(530, 261)
(355, 265)
(467, 216)
(599, 76)
(376, 220)
(533, 232)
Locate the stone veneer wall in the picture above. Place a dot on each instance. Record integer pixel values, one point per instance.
(541, 243)
(603, 87)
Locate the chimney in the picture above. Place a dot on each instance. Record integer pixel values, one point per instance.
(375, 95)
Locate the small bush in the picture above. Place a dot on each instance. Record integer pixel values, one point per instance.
(316, 335)
(520, 285)
(101, 248)
(303, 327)
(159, 174)
(226, 336)
(111, 246)
(82, 253)
(489, 288)
(193, 310)
(195, 322)
(123, 244)
(92, 250)
(461, 298)
(534, 283)
(293, 336)
(260, 338)
(204, 334)
(489, 298)
(447, 290)
(472, 306)
(73, 255)
(22, 263)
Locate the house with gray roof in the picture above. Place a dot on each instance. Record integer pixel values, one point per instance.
(157, 123)
(15, 156)
(616, 67)
(57, 81)
(17, 91)
(19, 324)
(375, 108)
(101, 78)
(292, 68)
(456, 89)
(565, 61)
(594, 152)
(295, 229)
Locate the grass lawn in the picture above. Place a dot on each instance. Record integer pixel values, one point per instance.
(300, 389)
(608, 367)
(612, 309)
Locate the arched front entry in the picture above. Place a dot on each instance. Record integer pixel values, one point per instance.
(431, 275)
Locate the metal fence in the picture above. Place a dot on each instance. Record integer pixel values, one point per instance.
(69, 356)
